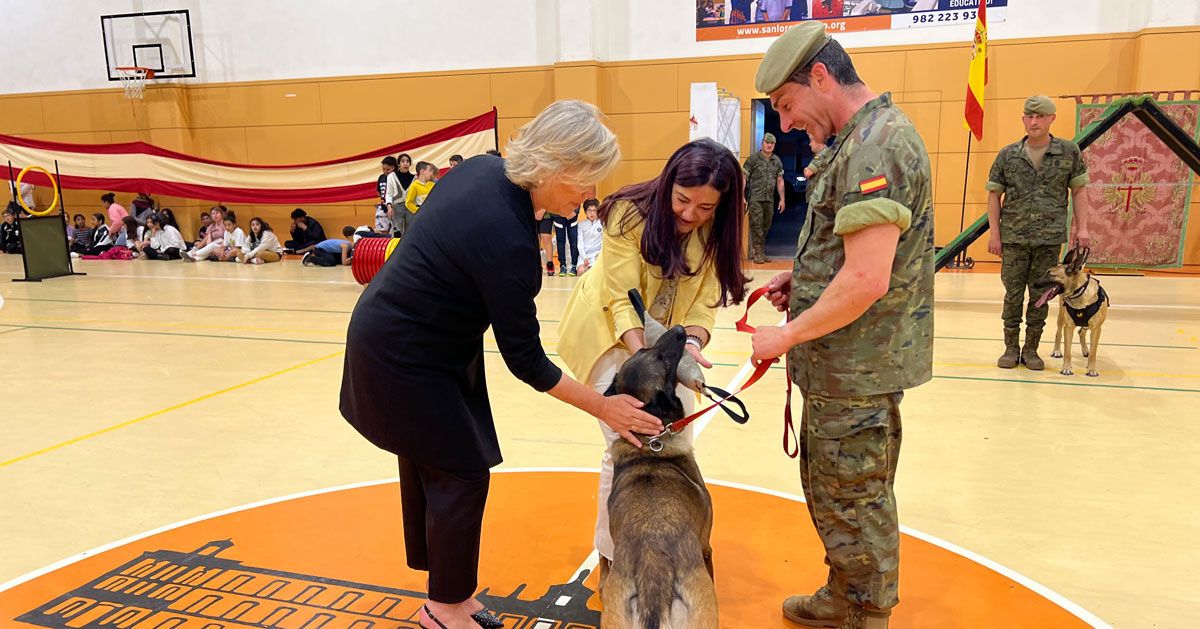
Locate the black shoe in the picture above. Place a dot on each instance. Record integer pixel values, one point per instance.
(549, 269)
(487, 619)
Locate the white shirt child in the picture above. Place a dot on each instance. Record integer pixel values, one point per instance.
(591, 236)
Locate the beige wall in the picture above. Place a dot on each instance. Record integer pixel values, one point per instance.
(646, 101)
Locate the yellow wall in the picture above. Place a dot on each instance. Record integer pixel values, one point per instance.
(647, 103)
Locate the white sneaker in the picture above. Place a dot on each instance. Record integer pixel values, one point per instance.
(74, 255)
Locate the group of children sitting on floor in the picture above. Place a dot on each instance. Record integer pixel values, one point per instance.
(154, 234)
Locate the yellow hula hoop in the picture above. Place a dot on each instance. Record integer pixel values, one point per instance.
(53, 184)
(390, 248)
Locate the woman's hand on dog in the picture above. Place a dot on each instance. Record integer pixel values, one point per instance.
(623, 414)
(779, 290)
(700, 359)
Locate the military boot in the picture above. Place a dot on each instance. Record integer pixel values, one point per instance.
(858, 618)
(1012, 349)
(759, 258)
(1029, 353)
(822, 609)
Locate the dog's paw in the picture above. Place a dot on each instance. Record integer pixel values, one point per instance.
(1066, 371)
(1085, 353)
(1055, 354)
(1092, 373)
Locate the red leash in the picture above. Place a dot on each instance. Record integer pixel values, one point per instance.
(760, 370)
(789, 427)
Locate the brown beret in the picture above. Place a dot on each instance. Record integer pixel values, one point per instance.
(1039, 105)
(792, 51)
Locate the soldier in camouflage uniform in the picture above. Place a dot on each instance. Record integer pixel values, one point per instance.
(860, 299)
(1027, 216)
(764, 176)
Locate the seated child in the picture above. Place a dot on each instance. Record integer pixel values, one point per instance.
(262, 245)
(10, 233)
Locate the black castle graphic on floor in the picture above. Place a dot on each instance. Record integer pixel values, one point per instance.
(167, 589)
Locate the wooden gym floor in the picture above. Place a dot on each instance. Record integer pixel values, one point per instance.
(149, 393)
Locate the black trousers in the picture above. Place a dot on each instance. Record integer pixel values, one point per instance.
(567, 231)
(172, 253)
(325, 258)
(443, 521)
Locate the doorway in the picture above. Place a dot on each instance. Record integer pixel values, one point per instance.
(794, 151)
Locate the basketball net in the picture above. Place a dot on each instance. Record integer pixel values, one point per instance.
(134, 80)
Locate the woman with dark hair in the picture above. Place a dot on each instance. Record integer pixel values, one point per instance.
(677, 239)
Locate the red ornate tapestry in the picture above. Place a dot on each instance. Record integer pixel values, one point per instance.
(1139, 191)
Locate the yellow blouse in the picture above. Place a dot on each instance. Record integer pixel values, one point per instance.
(599, 311)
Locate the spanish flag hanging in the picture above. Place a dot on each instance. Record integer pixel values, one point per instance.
(977, 78)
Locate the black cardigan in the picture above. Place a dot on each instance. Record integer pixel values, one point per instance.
(414, 381)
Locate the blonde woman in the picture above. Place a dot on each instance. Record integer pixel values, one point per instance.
(414, 379)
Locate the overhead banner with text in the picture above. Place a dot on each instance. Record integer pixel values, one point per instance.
(750, 19)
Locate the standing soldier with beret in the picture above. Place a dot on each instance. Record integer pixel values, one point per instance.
(1027, 216)
(860, 299)
(764, 177)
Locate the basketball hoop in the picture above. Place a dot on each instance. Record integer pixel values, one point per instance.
(134, 79)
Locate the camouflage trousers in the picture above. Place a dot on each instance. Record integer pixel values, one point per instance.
(849, 449)
(761, 213)
(1020, 267)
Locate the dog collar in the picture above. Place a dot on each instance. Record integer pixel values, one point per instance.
(1081, 290)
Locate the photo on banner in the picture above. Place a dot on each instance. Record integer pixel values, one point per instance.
(749, 19)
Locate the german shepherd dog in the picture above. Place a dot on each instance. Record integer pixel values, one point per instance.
(1084, 305)
(660, 512)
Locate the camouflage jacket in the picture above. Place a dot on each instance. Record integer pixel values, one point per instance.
(876, 172)
(1034, 209)
(762, 175)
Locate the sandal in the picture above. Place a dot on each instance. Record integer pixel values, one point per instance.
(431, 617)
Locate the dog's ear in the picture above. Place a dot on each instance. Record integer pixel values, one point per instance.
(1080, 259)
(1087, 253)
(1069, 259)
(666, 406)
(612, 389)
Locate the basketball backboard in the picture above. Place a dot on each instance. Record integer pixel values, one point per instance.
(159, 40)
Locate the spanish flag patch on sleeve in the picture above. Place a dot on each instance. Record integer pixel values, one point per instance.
(874, 184)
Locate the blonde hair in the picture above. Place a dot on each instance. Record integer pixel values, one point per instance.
(567, 141)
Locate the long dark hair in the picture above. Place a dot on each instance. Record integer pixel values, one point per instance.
(168, 217)
(698, 163)
(255, 239)
(131, 227)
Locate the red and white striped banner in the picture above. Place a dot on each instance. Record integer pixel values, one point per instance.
(140, 167)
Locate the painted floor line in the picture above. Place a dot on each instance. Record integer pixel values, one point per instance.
(154, 305)
(997, 302)
(554, 355)
(163, 411)
(1049, 594)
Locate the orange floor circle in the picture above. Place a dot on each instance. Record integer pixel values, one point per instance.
(335, 560)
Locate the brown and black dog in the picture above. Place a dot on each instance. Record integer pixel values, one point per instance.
(660, 512)
(1084, 305)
